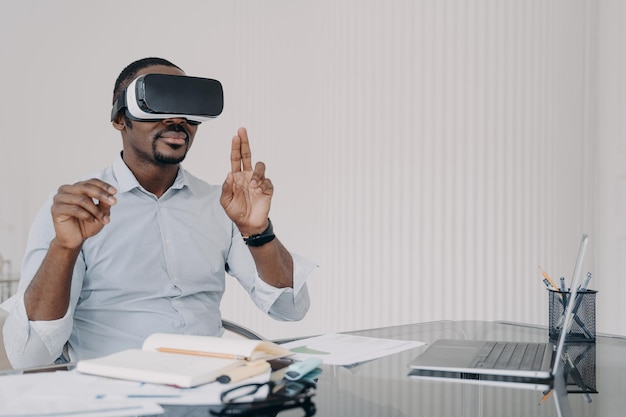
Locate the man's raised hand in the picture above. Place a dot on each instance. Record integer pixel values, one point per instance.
(81, 210)
(246, 193)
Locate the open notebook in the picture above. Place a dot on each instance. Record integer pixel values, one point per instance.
(182, 360)
(525, 365)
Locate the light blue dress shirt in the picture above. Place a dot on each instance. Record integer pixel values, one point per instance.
(158, 266)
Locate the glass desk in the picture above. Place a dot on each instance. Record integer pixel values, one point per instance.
(382, 387)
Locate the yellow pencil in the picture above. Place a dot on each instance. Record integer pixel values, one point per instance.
(546, 276)
(546, 396)
(202, 353)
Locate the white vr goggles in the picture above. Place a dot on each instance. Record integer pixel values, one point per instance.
(161, 96)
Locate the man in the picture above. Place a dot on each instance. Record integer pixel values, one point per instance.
(143, 246)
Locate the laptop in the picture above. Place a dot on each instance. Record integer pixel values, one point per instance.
(517, 364)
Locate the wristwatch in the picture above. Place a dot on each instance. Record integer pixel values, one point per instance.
(262, 238)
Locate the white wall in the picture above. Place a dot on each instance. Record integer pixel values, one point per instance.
(428, 154)
(610, 151)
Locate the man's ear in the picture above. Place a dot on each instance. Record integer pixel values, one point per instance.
(119, 123)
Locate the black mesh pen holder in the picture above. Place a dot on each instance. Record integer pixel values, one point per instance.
(580, 367)
(584, 324)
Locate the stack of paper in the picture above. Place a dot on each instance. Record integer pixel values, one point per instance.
(72, 393)
(344, 349)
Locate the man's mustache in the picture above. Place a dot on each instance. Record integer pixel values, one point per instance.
(175, 128)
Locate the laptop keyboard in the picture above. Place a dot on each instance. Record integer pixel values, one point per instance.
(502, 355)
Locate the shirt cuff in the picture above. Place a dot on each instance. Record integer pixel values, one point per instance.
(33, 342)
(267, 295)
(54, 333)
(302, 268)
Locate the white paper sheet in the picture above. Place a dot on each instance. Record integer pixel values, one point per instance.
(55, 394)
(343, 349)
(65, 406)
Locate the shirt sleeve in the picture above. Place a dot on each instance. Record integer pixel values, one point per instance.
(32, 343)
(288, 304)
(285, 304)
(35, 343)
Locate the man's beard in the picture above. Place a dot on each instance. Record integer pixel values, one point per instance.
(168, 160)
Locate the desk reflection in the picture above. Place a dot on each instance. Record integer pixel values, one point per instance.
(382, 387)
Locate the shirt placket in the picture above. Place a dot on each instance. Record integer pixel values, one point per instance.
(170, 258)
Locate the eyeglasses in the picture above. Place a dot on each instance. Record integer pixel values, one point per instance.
(274, 390)
(275, 397)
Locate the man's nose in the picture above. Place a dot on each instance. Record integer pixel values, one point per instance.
(175, 121)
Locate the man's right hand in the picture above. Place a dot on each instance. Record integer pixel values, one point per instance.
(81, 210)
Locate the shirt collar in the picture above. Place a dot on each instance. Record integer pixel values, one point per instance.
(126, 179)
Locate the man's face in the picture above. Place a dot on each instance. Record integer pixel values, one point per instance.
(158, 142)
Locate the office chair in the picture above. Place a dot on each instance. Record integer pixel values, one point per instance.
(240, 330)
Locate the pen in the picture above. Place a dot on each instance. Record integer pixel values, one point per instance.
(563, 289)
(586, 283)
(245, 371)
(201, 353)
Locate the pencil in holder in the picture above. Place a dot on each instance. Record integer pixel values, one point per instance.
(583, 327)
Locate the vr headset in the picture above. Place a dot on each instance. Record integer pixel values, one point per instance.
(160, 96)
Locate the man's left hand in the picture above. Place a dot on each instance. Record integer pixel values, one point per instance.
(246, 194)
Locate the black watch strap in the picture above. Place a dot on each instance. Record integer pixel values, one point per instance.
(262, 238)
